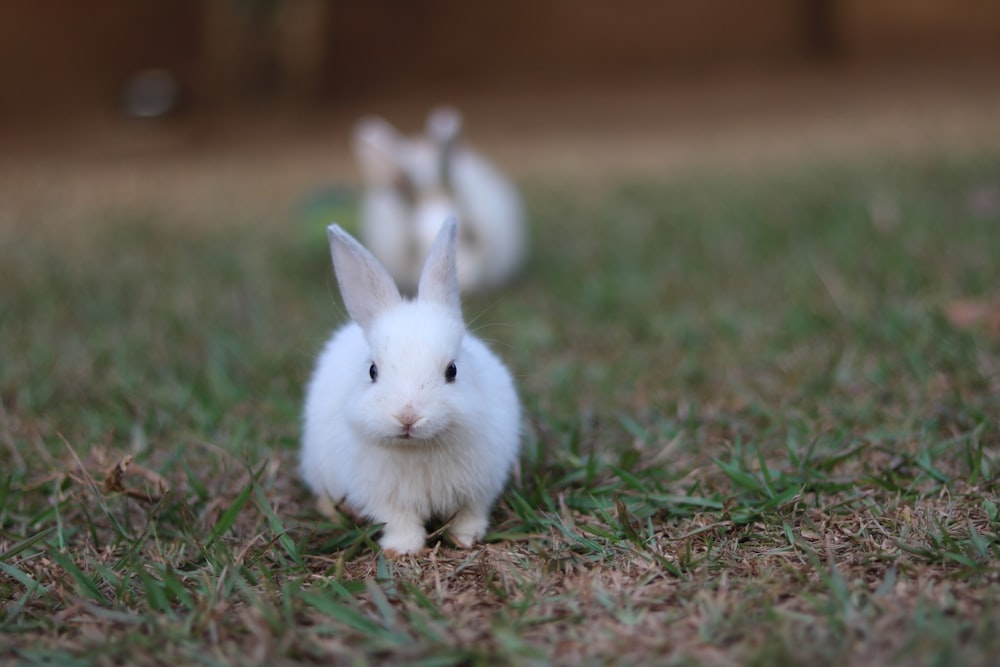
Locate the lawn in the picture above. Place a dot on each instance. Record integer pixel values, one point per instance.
(752, 436)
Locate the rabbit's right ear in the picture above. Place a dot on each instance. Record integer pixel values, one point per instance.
(375, 143)
(439, 279)
(365, 285)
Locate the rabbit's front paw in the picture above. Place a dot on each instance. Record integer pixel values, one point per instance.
(468, 527)
(400, 539)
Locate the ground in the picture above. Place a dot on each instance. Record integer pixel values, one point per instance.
(754, 433)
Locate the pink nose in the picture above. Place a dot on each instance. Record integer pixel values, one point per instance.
(407, 417)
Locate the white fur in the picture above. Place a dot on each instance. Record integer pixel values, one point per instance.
(409, 191)
(465, 434)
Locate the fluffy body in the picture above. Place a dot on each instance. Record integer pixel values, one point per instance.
(411, 445)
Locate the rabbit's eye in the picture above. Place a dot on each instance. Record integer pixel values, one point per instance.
(450, 372)
(373, 372)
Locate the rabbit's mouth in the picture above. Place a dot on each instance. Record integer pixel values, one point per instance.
(411, 425)
(407, 434)
(412, 437)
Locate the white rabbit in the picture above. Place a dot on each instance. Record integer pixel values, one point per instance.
(413, 183)
(408, 416)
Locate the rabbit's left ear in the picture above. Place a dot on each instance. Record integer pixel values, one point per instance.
(375, 143)
(444, 125)
(366, 286)
(439, 279)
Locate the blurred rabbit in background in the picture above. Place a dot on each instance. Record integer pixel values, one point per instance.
(413, 184)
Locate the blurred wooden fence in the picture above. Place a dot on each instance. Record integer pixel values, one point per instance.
(59, 53)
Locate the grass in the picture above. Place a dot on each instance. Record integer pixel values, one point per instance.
(751, 438)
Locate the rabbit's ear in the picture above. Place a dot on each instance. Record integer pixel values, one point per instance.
(444, 125)
(438, 280)
(365, 285)
(375, 143)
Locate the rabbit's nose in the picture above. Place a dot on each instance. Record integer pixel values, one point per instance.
(407, 417)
